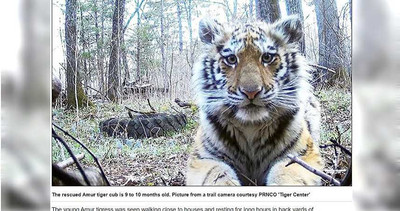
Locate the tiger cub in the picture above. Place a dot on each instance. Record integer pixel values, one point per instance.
(256, 106)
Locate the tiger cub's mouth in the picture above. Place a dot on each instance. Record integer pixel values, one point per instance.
(251, 106)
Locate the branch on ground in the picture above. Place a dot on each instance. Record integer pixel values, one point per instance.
(152, 108)
(139, 112)
(322, 67)
(294, 159)
(102, 174)
(103, 96)
(183, 104)
(64, 164)
(78, 165)
(336, 144)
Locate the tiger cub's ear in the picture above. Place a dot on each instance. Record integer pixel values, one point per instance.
(290, 29)
(210, 31)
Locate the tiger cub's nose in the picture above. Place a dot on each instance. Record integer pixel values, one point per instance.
(250, 92)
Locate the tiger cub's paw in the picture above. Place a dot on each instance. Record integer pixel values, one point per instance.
(218, 176)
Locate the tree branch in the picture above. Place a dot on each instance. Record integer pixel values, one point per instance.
(319, 173)
(182, 103)
(88, 150)
(152, 108)
(139, 112)
(58, 138)
(336, 144)
(131, 17)
(322, 67)
(65, 163)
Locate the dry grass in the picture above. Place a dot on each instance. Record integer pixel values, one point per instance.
(162, 161)
(145, 162)
(336, 125)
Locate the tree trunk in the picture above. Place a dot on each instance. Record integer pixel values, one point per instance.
(188, 8)
(75, 94)
(163, 59)
(351, 11)
(251, 9)
(99, 45)
(190, 24)
(295, 7)
(138, 75)
(235, 5)
(179, 12)
(137, 10)
(83, 55)
(124, 61)
(116, 37)
(328, 34)
(104, 70)
(228, 12)
(268, 10)
(56, 88)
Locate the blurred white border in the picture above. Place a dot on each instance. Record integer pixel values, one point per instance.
(376, 35)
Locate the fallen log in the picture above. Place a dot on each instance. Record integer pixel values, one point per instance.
(69, 161)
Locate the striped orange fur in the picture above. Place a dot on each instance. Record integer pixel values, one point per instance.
(256, 106)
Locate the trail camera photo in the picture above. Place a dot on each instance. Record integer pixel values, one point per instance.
(202, 93)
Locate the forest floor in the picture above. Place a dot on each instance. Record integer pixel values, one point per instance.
(162, 160)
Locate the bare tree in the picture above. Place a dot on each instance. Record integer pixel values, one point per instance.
(138, 75)
(99, 45)
(268, 10)
(139, 4)
(251, 9)
(235, 6)
(163, 53)
(228, 12)
(116, 37)
(351, 11)
(104, 70)
(328, 34)
(75, 93)
(188, 9)
(83, 54)
(295, 7)
(179, 13)
(124, 60)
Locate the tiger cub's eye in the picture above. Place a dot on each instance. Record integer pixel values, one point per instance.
(231, 59)
(267, 58)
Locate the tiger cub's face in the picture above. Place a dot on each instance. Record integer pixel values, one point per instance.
(252, 69)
